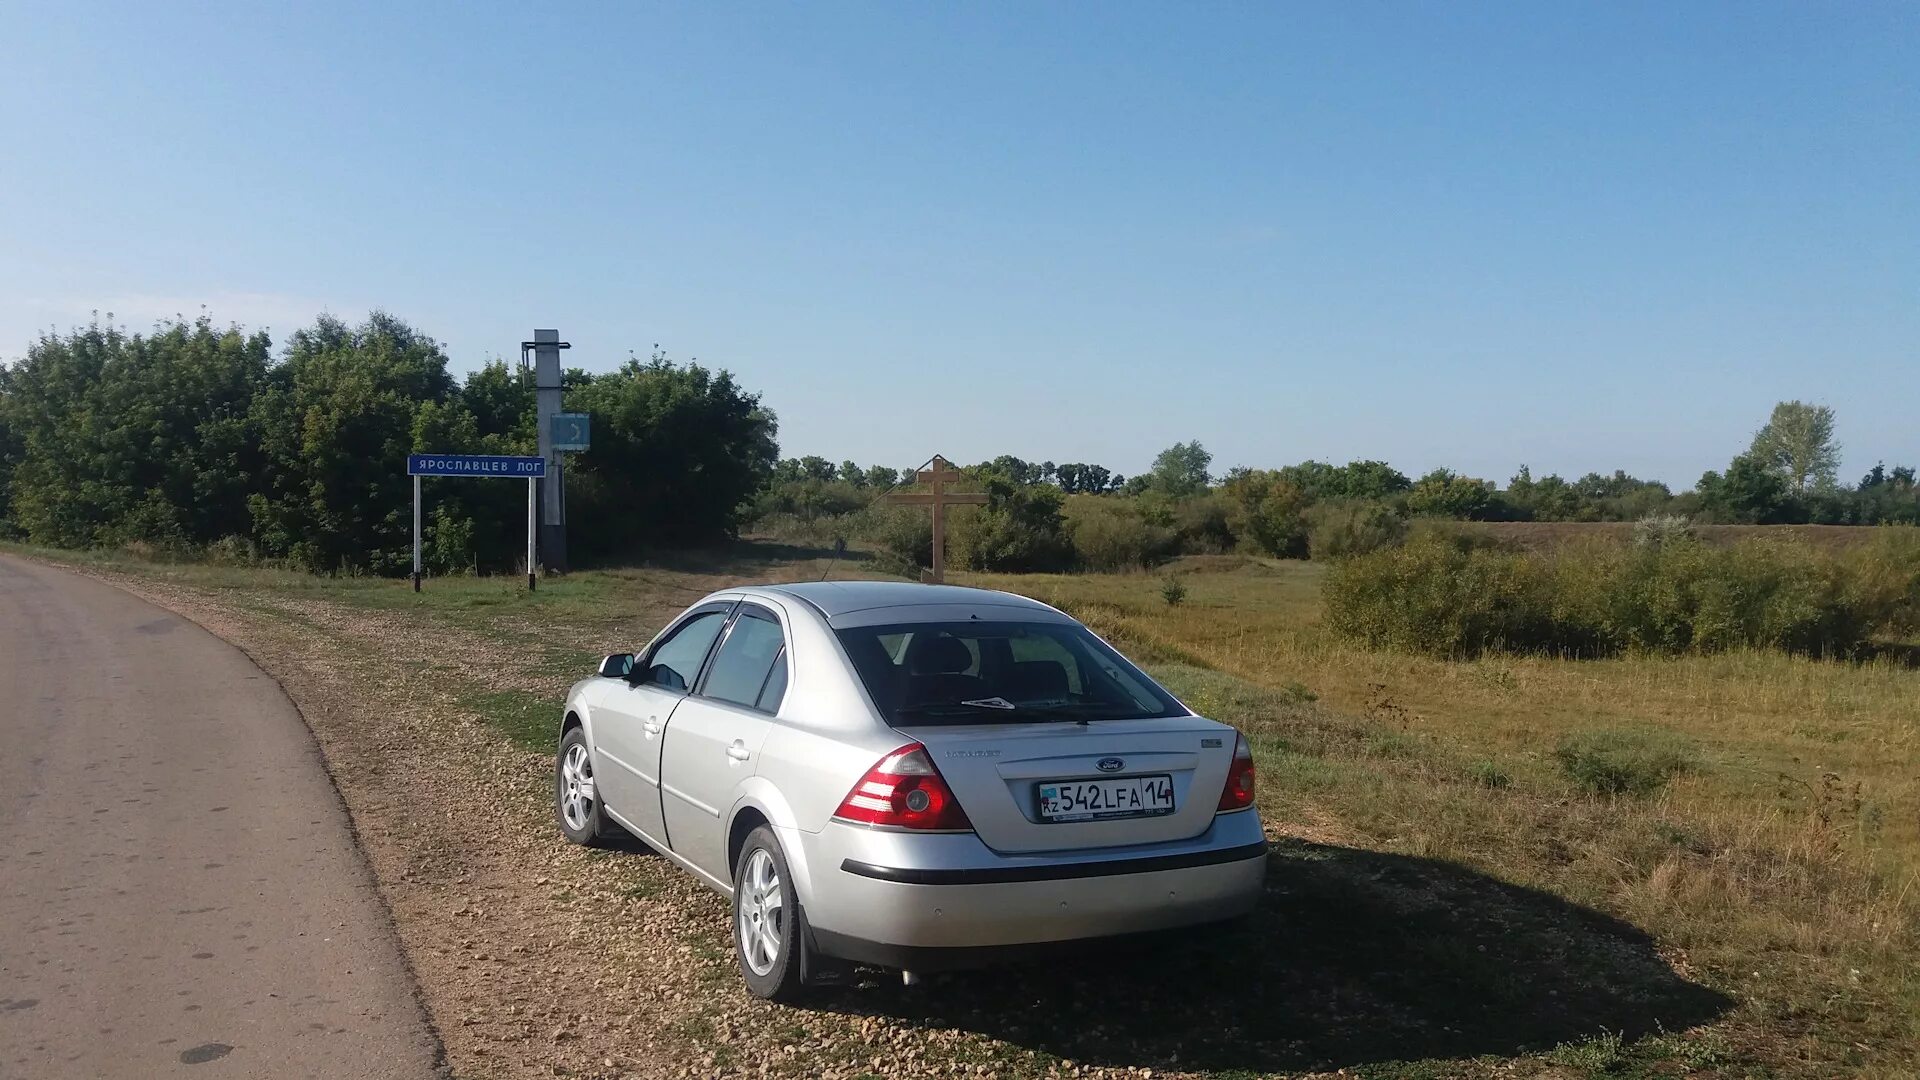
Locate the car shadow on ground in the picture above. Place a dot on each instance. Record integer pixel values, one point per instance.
(1354, 957)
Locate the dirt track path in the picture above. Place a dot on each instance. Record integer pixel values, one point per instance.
(182, 892)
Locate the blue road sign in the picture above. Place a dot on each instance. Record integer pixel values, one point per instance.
(571, 430)
(494, 465)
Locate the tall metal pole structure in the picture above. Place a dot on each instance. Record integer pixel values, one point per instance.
(546, 345)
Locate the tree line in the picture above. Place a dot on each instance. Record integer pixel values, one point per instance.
(207, 440)
(201, 439)
(1041, 518)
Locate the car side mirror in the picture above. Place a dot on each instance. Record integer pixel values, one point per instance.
(616, 665)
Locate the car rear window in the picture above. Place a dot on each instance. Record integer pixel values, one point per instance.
(977, 672)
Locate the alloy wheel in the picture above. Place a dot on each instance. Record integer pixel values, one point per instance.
(761, 917)
(576, 787)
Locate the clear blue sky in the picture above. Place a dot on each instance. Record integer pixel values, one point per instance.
(1576, 236)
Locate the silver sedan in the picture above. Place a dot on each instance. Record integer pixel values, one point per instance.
(909, 776)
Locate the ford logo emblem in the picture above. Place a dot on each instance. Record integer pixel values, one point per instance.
(1110, 764)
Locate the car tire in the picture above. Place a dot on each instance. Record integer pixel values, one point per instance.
(576, 798)
(767, 918)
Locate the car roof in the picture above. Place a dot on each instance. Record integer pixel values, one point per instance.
(835, 598)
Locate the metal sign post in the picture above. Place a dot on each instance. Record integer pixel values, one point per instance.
(494, 466)
(416, 529)
(547, 392)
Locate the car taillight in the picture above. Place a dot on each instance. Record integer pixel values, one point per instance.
(1238, 794)
(904, 791)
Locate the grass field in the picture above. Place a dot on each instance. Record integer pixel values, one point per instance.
(1455, 888)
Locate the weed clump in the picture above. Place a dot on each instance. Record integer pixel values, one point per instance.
(1622, 762)
(1173, 591)
(1489, 775)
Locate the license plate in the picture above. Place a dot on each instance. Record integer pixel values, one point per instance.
(1087, 800)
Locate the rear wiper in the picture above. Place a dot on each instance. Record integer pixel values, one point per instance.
(1062, 710)
(1072, 709)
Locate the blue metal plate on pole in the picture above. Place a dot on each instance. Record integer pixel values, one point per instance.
(498, 466)
(571, 430)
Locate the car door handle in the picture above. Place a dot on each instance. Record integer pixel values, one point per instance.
(738, 751)
(652, 726)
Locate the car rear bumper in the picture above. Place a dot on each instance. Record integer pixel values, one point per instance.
(882, 897)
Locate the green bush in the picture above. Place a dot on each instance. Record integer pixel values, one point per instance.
(1338, 530)
(1173, 591)
(905, 535)
(1489, 775)
(1659, 530)
(1268, 512)
(1204, 524)
(1448, 596)
(1623, 762)
(1110, 534)
(1885, 579)
(1439, 599)
(1020, 531)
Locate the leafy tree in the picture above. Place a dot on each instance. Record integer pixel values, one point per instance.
(1797, 443)
(1593, 497)
(1354, 480)
(502, 403)
(1444, 493)
(1751, 492)
(11, 450)
(880, 478)
(336, 422)
(852, 474)
(1113, 534)
(114, 438)
(1020, 530)
(1181, 470)
(1080, 479)
(678, 451)
(1269, 511)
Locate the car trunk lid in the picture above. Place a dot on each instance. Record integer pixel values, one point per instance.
(997, 772)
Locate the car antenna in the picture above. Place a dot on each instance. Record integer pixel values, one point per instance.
(839, 549)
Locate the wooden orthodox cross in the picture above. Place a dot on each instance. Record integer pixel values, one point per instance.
(939, 498)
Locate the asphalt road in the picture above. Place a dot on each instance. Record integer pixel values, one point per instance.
(180, 894)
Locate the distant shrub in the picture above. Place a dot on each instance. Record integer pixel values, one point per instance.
(1435, 598)
(1267, 512)
(1110, 534)
(1173, 591)
(1020, 531)
(1622, 762)
(904, 534)
(1885, 579)
(1337, 530)
(1204, 524)
(808, 498)
(1660, 530)
(1448, 596)
(233, 551)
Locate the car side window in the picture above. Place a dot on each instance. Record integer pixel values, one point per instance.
(776, 688)
(675, 662)
(746, 660)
